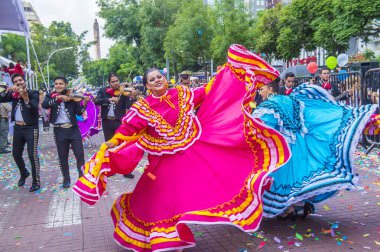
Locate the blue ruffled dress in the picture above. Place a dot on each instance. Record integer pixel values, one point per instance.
(322, 136)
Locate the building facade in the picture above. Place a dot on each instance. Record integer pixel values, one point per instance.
(254, 6)
(251, 6)
(31, 14)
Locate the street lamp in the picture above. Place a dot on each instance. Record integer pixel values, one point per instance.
(61, 49)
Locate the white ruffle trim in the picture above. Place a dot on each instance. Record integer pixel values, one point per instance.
(288, 134)
(295, 200)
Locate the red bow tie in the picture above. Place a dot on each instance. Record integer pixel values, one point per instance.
(16, 95)
(288, 91)
(110, 91)
(53, 95)
(327, 86)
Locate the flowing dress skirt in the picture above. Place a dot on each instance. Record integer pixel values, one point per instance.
(217, 180)
(322, 136)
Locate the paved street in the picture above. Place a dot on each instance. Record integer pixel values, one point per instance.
(54, 219)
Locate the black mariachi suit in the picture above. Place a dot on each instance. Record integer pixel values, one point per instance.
(65, 136)
(334, 90)
(25, 133)
(111, 125)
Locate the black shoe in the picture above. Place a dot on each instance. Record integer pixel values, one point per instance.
(307, 210)
(129, 175)
(66, 184)
(35, 187)
(21, 181)
(292, 216)
(4, 151)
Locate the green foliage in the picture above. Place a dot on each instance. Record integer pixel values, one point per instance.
(46, 40)
(231, 25)
(283, 32)
(122, 61)
(58, 35)
(122, 20)
(369, 54)
(356, 19)
(142, 24)
(96, 72)
(187, 41)
(267, 30)
(13, 46)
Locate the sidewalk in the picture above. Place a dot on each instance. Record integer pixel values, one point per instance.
(54, 219)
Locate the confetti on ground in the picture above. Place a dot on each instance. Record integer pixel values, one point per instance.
(299, 237)
(261, 245)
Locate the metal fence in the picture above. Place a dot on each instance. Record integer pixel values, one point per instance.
(345, 81)
(370, 92)
(366, 91)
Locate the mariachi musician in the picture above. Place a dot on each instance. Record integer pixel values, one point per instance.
(25, 115)
(331, 87)
(114, 101)
(64, 108)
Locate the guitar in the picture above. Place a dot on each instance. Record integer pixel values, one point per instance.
(345, 93)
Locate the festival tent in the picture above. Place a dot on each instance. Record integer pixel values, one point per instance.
(13, 20)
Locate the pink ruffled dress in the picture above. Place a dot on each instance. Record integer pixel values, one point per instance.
(204, 168)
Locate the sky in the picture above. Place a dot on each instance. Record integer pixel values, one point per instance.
(80, 13)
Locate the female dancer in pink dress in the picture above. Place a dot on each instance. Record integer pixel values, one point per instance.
(208, 168)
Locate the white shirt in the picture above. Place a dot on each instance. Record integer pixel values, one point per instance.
(111, 112)
(62, 116)
(18, 115)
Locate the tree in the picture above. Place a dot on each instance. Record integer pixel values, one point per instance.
(356, 19)
(325, 34)
(45, 40)
(60, 35)
(96, 72)
(267, 30)
(13, 47)
(231, 25)
(122, 61)
(142, 24)
(296, 30)
(369, 54)
(122, 20)
(187, 41)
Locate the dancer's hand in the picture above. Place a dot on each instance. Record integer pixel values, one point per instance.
(110, 144)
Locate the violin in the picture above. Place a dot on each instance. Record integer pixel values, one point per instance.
(75, 97)
(121, 91)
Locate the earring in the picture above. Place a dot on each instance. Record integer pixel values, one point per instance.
(270, 95)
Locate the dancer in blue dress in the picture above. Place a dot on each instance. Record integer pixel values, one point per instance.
(322, 136)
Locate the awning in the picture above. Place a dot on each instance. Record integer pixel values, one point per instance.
(13, 17)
